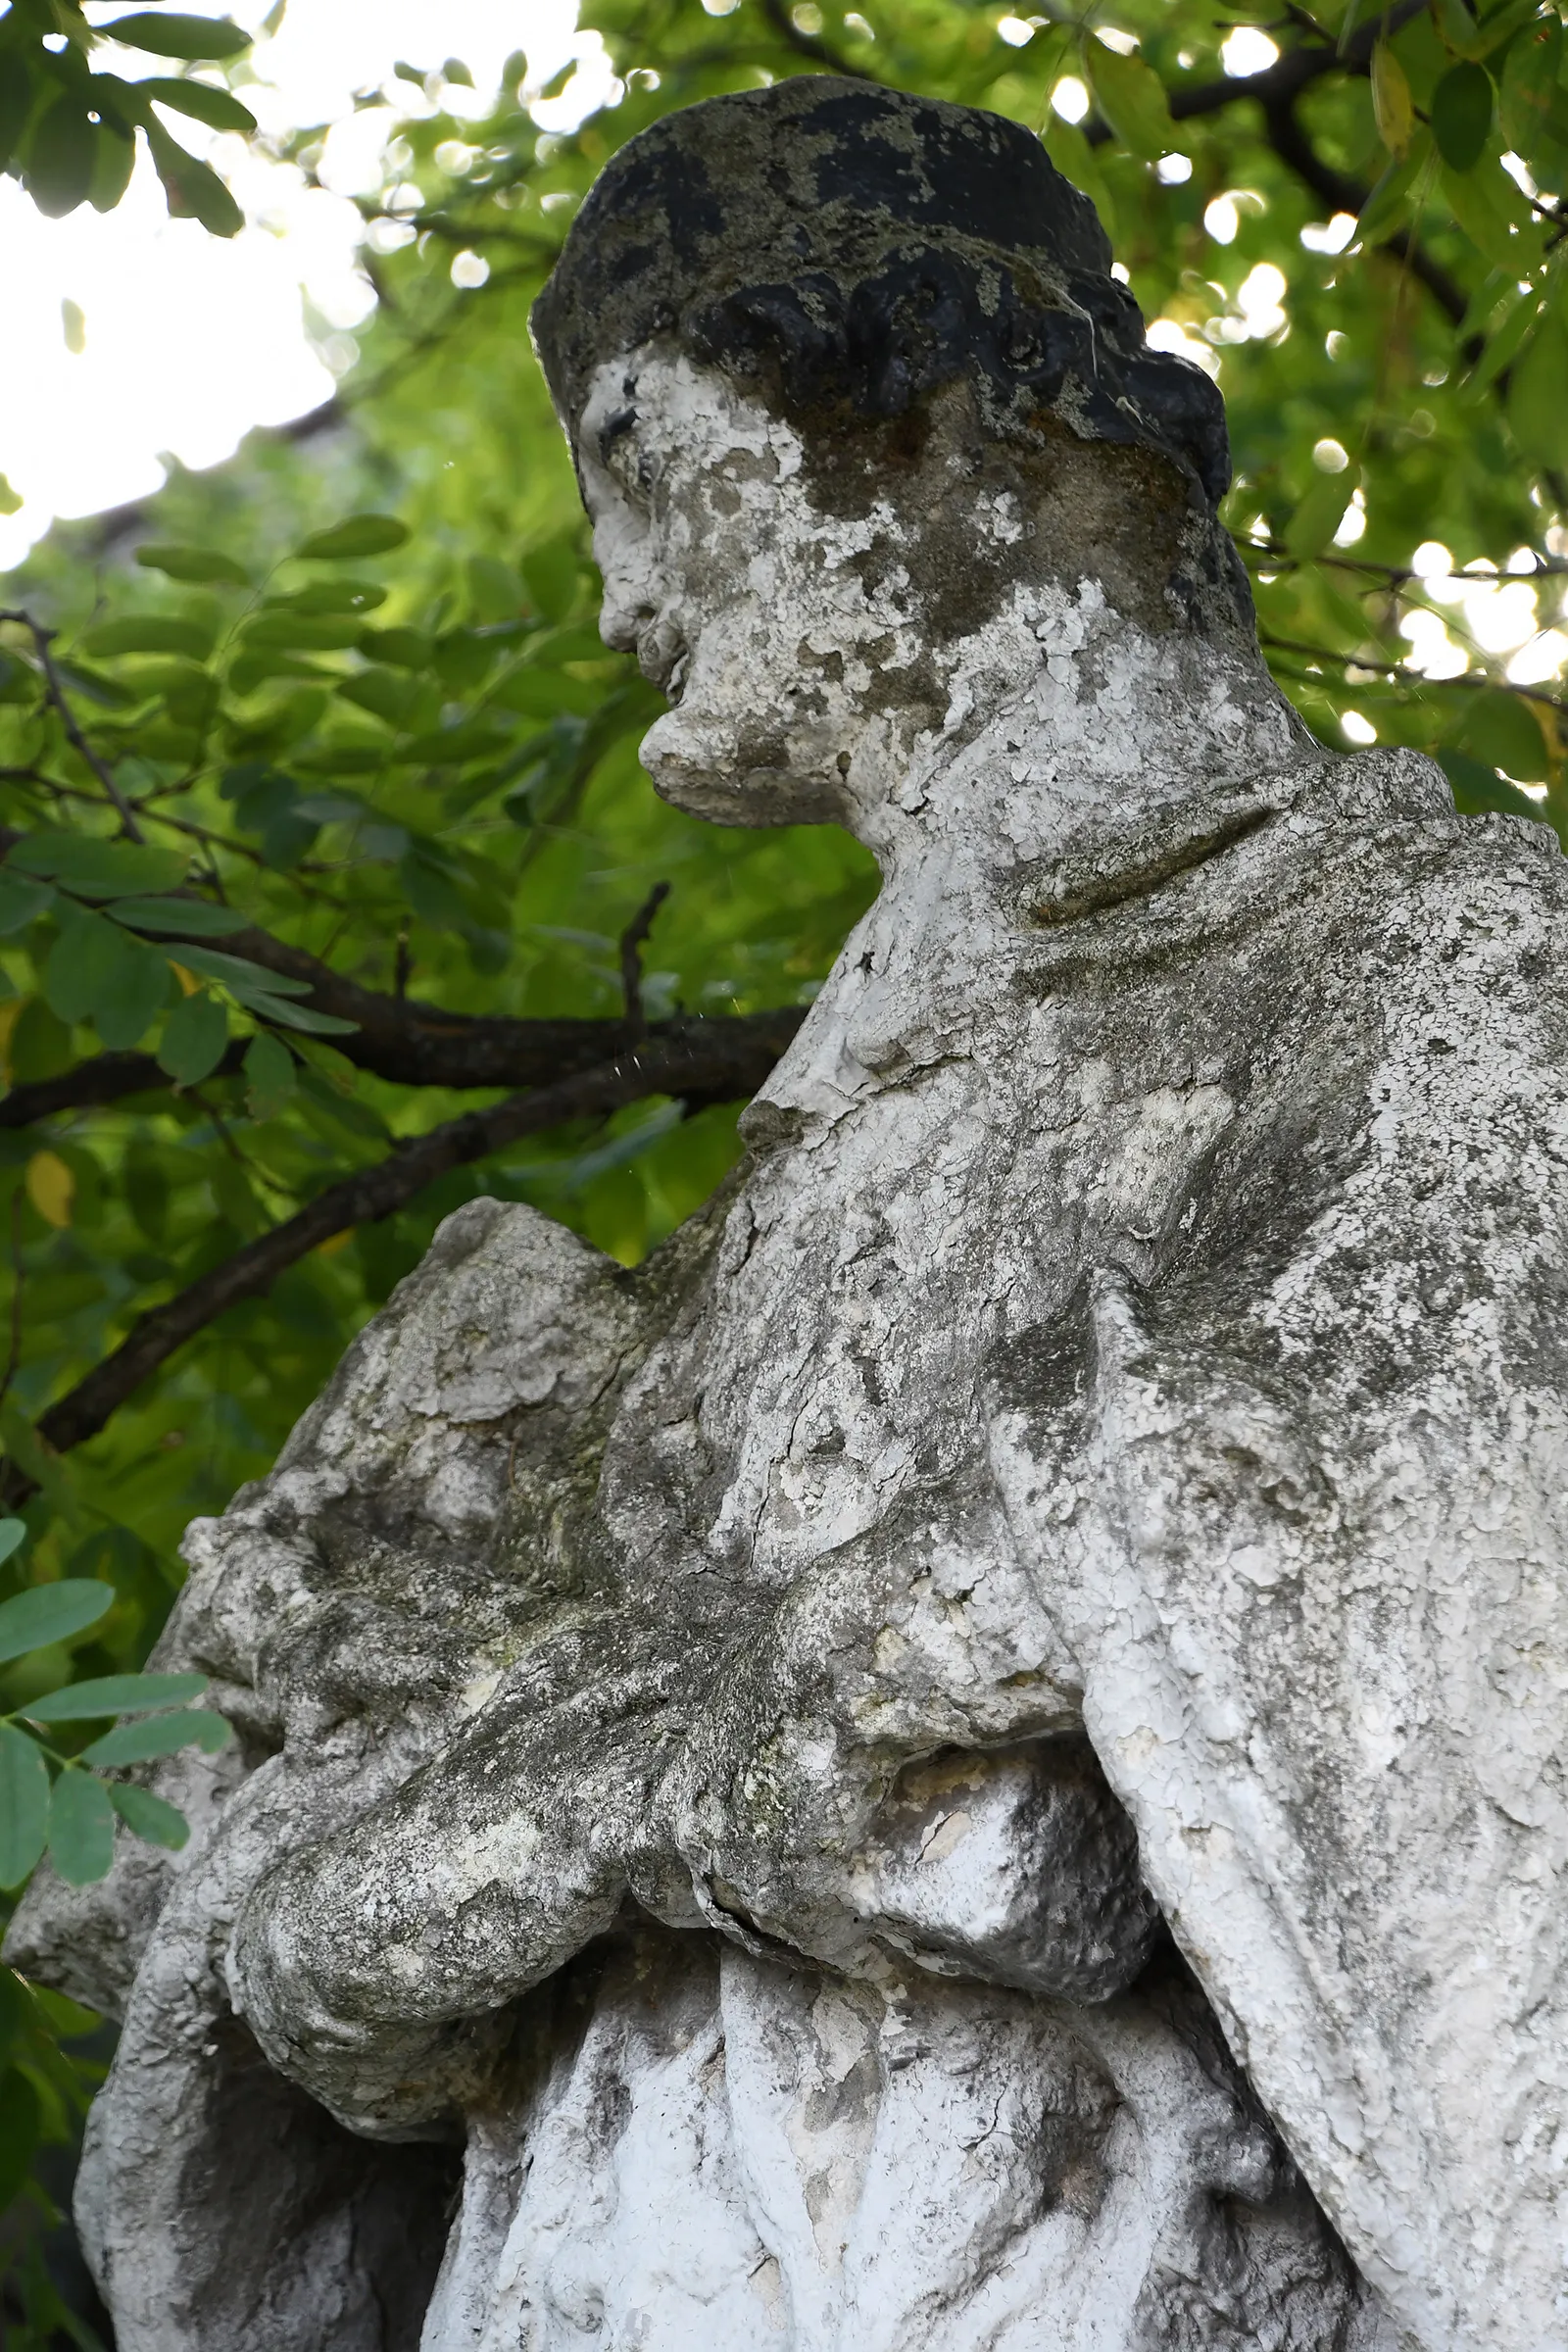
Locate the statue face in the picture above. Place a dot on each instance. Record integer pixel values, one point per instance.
(779, 632)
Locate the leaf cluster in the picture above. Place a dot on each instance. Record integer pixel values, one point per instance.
(68, 129)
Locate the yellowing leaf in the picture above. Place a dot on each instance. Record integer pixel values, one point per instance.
(9, 1013)
(188, 982)
(1391, 100)
(50, 1188)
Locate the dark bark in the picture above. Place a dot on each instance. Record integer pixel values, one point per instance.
(696, 1066)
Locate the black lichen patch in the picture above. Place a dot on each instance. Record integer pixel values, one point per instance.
(852, 249)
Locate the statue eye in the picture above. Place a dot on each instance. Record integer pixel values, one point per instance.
(622, 455)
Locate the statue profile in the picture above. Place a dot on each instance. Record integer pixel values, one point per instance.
(973, 1755)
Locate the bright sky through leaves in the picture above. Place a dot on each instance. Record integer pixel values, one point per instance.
(186, 341)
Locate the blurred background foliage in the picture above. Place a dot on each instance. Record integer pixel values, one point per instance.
(317, 786)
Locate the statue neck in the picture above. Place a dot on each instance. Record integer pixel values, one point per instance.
(1067, 720)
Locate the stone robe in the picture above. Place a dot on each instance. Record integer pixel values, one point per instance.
(715, 1737)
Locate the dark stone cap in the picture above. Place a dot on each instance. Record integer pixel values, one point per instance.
(863, 245)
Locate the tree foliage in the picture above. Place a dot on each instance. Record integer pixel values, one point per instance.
(331, 892)
(68, 129)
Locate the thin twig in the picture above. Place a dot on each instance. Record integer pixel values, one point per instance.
(1269, 553)
(1472, 680)
(631, 959)
(42, 639)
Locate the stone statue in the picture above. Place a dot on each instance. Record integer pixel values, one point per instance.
(972, 1756)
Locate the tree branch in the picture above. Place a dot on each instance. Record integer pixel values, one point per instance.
(442, 1053)
(1342, 194)
(698, 1066)
(1472, 682)
(1277, 90)
(398, 1038)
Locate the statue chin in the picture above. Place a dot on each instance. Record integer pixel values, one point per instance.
(709, 768)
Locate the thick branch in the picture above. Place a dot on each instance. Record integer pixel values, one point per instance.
(395, 1037)
(440, 1050)
(698, 1066)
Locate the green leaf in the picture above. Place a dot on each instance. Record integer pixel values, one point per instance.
(477, 738)
(251, 669)
(314, 632)
(191, 190)
(1131, 96)
(238, 972)
(270, 1076)
(150, 1816)
(180, 918)
(290, 1015)
(97, 869)
(1320, 512)
(22, 903)
(1531, 73)
(1458, 27)
(21, 2130)
(150, 633)
(113, 163)
(220, 110)
(82, 1827)
(1538, 392)
(13, 1534)
(195, 1034)
(1479, 788)
(61, 154)
(1494, 217)
(84, 965)
(330, 596)
(387, 694)
(360, 535)
(171, 35)
(48, 1613)
(1499, 25)
(123, 1017)
(160, 1736)
(114, 1695)
(1503, 345)
(552, 573)
(23, 1806)
(404, 649)
(1502, 730)
(1461, 114)
(202, 565)
(332, 808)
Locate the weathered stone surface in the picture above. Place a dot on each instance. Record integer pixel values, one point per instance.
(716, 1736)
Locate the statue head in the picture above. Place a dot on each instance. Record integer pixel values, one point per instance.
(854, 400)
